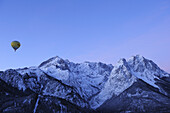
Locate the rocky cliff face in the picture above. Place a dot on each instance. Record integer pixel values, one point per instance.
(57, 85)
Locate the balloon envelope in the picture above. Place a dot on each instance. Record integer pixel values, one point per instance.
(15, 45)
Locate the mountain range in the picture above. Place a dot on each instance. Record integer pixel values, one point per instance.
(60, 86)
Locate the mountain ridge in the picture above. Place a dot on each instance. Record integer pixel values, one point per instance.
(89, 85)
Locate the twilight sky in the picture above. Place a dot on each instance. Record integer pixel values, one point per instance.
(84, 30)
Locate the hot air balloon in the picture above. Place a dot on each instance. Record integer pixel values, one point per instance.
(15, 45)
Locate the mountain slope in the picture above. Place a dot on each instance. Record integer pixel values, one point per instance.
(126, 73)
(140, 97)
(58, 85)
(119, 80)
(87, 77)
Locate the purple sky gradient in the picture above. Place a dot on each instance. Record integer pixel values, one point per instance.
(91, 30)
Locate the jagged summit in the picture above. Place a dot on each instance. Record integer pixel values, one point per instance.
(125, 73)
(146, 69)
(89, 85)
(119, 80)
(52, 61)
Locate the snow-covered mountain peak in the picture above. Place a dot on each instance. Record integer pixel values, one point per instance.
(121, 63)
(54, 61)
(146, 70)
(138, 57)
(119, 80)
(91, 84)
(88, 77)
(121, 68)
(137, 60)
(124, 74)
(140, 64)
(56, 67)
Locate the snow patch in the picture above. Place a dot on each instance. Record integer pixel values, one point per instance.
(36, 104)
